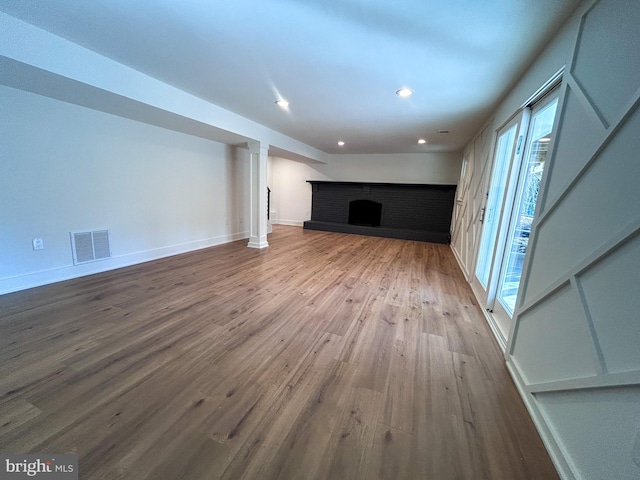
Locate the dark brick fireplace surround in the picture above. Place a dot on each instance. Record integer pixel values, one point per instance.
(394, 210)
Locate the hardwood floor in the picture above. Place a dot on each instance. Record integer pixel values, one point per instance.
(325, 356)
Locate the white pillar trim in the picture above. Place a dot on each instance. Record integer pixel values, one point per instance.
(259, 152)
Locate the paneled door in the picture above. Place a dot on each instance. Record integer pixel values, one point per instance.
(523, 209)
(497, 200)
(471, 198)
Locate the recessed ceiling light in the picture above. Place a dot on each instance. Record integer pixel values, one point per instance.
(341, 143)
(544, 139)
(422, 141)
(404, 92)
(282, 103)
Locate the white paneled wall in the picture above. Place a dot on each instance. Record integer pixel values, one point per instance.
(575, 346)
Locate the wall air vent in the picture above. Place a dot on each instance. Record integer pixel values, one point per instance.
(90, 246)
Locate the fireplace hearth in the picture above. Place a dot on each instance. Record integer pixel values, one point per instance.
(407, 211)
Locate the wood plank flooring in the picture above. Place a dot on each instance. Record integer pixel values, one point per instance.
(324, 356)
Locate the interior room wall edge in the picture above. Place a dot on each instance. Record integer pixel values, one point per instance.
(34, 47)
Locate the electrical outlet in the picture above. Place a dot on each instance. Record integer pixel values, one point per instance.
(38, 243)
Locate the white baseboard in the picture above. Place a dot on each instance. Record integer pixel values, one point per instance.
(292, 223)
(257, 244)
(45, 277)
(557, 455)
(460, 263)
(502, 342)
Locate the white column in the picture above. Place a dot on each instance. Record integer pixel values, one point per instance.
(258, 173)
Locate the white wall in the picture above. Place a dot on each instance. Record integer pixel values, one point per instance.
(66, 168)
(573, 349)
(291, 194)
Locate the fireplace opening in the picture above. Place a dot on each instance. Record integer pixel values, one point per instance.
(365, 213)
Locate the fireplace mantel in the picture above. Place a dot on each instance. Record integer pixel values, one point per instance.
(410, 211)
(349, 182)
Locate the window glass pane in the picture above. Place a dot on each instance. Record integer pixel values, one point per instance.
(538, 146)
(494, 202)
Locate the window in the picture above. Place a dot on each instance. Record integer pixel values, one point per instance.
(538, 139)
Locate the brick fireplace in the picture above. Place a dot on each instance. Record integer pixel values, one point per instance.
(395, 210)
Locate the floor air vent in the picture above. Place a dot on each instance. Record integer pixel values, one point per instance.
(90, 246)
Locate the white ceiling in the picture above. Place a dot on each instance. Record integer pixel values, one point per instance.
(338, 62)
